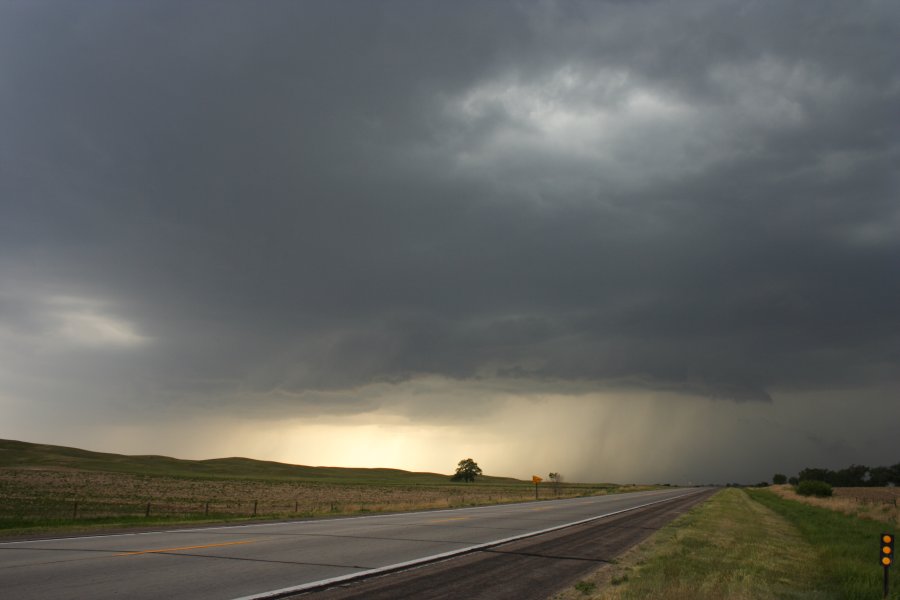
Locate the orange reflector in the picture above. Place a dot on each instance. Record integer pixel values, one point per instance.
(886, 539)
(885, 561)
(886, 550)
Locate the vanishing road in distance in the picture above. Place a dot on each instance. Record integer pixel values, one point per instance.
(268, 560)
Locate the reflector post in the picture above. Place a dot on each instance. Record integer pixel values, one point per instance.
(887, 557)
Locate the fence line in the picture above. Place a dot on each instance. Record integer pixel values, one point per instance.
(23, 508)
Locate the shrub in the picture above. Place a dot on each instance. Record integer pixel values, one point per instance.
(808, 487)
(779, 479)
(585, 587)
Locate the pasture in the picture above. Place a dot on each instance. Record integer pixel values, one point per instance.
(875, 503)
(50, 487)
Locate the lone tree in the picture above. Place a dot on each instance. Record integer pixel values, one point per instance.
(779, 479)
(466, 470)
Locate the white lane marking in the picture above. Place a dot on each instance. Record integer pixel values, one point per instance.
(436, 557)
(313, 521)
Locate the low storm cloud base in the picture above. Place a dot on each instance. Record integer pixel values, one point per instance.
(642, 229)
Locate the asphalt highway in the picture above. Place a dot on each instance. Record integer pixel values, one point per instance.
(267, 560)
(533, 568)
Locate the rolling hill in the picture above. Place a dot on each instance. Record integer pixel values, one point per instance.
(26, 455)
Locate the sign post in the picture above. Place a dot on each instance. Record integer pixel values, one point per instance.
(887, 557)
(536, 481)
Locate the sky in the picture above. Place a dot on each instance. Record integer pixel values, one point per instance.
(623, 241)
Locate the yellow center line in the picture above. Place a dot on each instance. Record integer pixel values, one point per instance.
(185, 548)
(450, 519)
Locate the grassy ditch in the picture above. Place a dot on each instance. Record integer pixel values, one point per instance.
(750, 544)
(727, 547)
(846, 546)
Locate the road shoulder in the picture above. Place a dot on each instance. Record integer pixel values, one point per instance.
(526, 569)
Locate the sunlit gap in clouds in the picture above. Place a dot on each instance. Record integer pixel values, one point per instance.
(88, 322)
(611, 436)
(64, 323)
(624, 436)
(578, 117)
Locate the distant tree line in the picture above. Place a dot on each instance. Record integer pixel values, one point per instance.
(852, 476)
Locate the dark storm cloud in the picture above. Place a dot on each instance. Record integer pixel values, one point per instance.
(311, 196)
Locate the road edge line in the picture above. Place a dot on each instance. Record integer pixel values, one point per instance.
(325, 583)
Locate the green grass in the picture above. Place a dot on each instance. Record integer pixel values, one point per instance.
(846, 547)
(728, 547)
(750, 544)
(54, 488)
(585, 587)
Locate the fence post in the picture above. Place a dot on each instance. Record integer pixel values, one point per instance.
(296, 504)
(147, 512)
(206, 509)
(75, 510)
(255, 502)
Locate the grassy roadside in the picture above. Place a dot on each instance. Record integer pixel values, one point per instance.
(19, 527)
(50, 489)
(728, 547)
(367, 500)
(23, 527)
(40, 502)
(847, 546)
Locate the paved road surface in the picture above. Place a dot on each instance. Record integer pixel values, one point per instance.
(533, 568)
(258, 560)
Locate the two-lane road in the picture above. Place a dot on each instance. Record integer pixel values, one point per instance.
(260, 560)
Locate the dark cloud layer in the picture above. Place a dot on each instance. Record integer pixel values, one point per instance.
(693, 196)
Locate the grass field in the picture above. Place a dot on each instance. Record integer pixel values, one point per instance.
(750, 544)
(846, 546)
(45, 488)
(878, 504)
